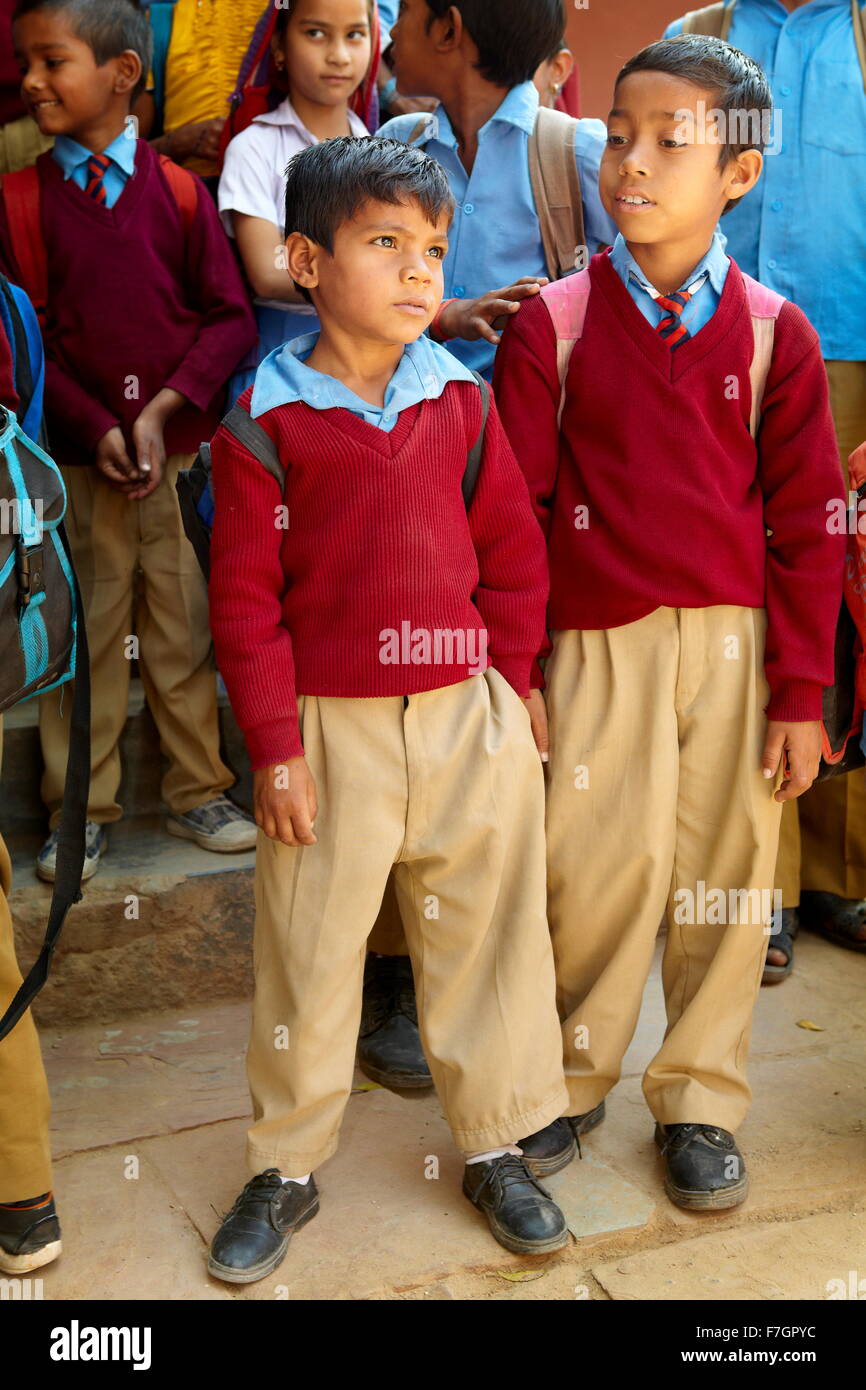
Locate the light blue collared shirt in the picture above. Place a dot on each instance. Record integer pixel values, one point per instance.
(73, 158)
(802, 230)
(705, 283)
(422, 373)
(495, 236)
(387, 19)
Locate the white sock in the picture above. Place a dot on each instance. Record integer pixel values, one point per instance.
(303, 1181)
(493, 1153)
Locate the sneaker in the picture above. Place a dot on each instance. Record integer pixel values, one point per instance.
(389, 1044)
(255, 1235)
(521, 1213)
(704, 1169)
(553, 1148)
(95, 845)
(29, 1234)
(219, 825)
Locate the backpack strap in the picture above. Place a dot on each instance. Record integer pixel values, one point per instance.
(556, 189)
(566, 301)
(712, 19)
(184, 189)
(22, 199)
(246, 431)
(473, 459)
(764, 306)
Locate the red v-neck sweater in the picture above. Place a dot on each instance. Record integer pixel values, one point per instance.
(378, 536)
(134, 304)
(655, 445)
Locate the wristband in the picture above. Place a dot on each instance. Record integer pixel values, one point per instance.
(386, 93)
(434, 326)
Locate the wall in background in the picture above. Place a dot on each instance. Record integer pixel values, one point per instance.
(606, 33)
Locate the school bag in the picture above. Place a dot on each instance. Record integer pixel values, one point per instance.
(555, 187)
(566, 302)
(195, 493)
(43, 643)
(259, 88)
(716, 21)
(22, 198)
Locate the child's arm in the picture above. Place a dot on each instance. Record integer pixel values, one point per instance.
(260, 245)
(482, 317)
(526, 385)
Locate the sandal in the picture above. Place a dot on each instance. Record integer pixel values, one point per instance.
(837, 919)
(782, 940)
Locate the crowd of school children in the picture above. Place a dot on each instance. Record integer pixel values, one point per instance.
(556, 409)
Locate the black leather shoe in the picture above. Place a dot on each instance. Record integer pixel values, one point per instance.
(704, 1169)
(522, 1214)
(389, 1044)
(29, 1234)
(553, 1148)
(255, 1234)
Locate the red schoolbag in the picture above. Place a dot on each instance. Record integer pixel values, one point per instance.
(22, 198)
(258, 87)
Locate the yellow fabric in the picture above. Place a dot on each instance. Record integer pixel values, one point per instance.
(208, 41)
(21, 144)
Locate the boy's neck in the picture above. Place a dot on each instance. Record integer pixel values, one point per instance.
(99, 136)
(363, 365)
(324, 122)
(668, 265)
(469, 101)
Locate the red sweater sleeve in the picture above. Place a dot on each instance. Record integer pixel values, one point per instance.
(253, 646)
(526, 382)
(512, 561)
(798, 469)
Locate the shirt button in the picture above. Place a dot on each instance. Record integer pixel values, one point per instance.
(772, 264)
(459, 291)
(776, 205)
(469, 208)
(785, 91)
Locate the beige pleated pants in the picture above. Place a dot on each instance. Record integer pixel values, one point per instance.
(447, 786)
(657, 807)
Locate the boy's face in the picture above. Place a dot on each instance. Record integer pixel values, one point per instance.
(660, 178)
(414, 52)
(384, 280)
(62, 86)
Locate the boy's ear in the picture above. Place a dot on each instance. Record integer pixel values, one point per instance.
(302, 256)
(127, 69)
(561, 67)
(447, 32)
(743, 173)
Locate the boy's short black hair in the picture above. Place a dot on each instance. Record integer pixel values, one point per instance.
(513, 37)
(327, 183)
(108, 27)
(739, 84)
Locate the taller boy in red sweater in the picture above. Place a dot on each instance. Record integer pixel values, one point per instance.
(694, 596)
(353, 610)
(146, 319)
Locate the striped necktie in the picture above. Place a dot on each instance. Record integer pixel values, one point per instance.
(97, 167)
(671, 328)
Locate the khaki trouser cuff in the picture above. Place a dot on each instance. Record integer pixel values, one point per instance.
(511, 1131)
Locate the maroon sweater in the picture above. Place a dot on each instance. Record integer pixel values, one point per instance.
(655, 444)
(134, 304)
(378, 537)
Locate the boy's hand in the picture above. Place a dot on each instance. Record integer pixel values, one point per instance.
(537, 710)
(148, 436)
(284, 801)
(478, 318)
(800, 745)
(114, 462)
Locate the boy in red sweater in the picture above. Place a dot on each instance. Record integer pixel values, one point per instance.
(353, 609)
(146, 319)
(694, 596)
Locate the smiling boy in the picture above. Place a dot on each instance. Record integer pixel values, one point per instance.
(694, 597)
(363, 763)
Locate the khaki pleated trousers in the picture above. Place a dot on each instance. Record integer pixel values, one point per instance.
(656, 806)
(447, 787)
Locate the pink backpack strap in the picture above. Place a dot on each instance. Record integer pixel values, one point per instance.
(566, 301)
(764, 306)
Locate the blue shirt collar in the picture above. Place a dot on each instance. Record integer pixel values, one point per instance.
(422, 373)
(518, 108)
(714, 265)
(69, 154)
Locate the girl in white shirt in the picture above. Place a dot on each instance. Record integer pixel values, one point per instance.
(321, 53)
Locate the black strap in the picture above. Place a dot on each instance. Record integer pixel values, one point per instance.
(473, 460)
(70, 848)
(245, 429)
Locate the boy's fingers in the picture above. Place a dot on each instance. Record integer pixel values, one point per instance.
(303, 828)
(484, 330)
(774, 747)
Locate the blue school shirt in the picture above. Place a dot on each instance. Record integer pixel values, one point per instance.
(495, 236)
(73, 158)
(387, 19)
(705, 282)
(422, 373)
(802, 229)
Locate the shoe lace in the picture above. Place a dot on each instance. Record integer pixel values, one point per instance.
(683, 1134)
(259, 1189)
(509, 1170)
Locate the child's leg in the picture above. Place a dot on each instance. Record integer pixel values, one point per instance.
(176, 670)
(102, 528)
(727, 835)
(471, 884)
(314, 910)
(611, 823)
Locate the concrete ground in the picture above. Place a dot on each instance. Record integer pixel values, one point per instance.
(149, 1121)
